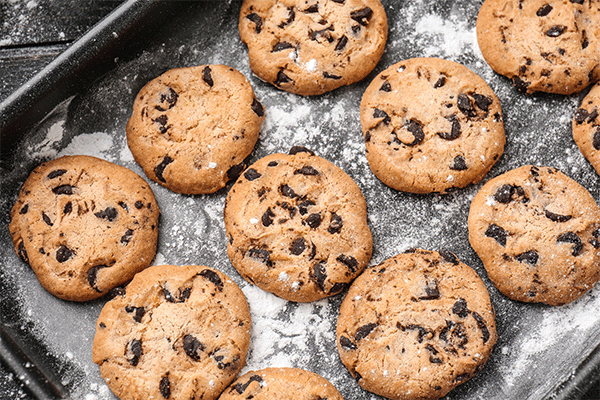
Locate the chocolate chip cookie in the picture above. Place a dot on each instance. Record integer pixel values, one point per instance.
(586, 127)
(297, 226)
(175, 332)
(431, 125)
(310, 47)
(85, 226)
(192, 128)
(416, 326)
(281, 383)
(548, 46)
(537, 232)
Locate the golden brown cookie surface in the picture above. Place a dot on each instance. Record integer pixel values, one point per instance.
(586, 127)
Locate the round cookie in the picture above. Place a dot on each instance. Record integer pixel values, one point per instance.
(175, 333)
(586, 127)
(416, 326)
(310, 47)
(85, 226)
(548, 46)
(297, 226)
(192, 128)
(537, 233)
(281, 383)
(431, 125)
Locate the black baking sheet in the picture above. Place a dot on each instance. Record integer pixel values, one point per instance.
(541, 352)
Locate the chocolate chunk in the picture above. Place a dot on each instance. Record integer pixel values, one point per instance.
(497, 233)
(224, 365)
(207, 76)
(557, 217)
(56, 173)
(257, 108)
(530, 257)
(306, 170)
(348, 261)
(335, 226)
(282, 78)
(431, 291)
(454, 130)
(416, 129)
(298, 246)
(257, 21)
(63, 253)
(300, 149)
(138, 313)
(92, 276)
(46, 219)
(22, 253)
(331, 76)
(291, 18)
(362, 16)
(577, 1)
(581, 115)
(287, 191)
(67, 208)
(556, 31)
(267, 217)
(261, 255)
(303, 206)
(192, 347)
(236, 170)
(165, 386)
(459, 164)
(520, 84)
(272, 164)
(485, 333)
(364, 331)
(64, 189)
(386, 87)
(135, 347)
(346, 344)
(252, 174)
(504, 194)
(213, 277)
(423, 332)
(109, 214)
(341, 44)
(377, 113)
(482, 102)
(571, 237)
(596, 139)
(241, 388)
(160, 168)
(162, 120)
(313, 220)
(170, 98)
(460, 308)
(544, 10)
(433, 357)
(313, 8)
(281, 46)
(462, 377)
(440, 82)
(126, 238)
(466, 106)
(24, 209)
(584, 44)
(318, 274)
(448, 256)
(181, 297)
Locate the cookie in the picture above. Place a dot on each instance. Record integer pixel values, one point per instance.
(281, 383)
(174, 333)
(192, 128)
(310, 47)
(85, 226)
(297, 226)
(548, 46)
(586, 127)
(416, 326)
(537, 232)
(430, 125)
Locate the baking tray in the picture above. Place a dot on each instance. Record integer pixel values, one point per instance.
(81, 102)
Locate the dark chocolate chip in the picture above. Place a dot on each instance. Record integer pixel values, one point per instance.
(181, 297)
(362, 16)
(291, 18)
(252, 174)
(92, 276)
(459, 164)
(318, 274)
(433, 357)
(267, 217)
(138, 313)
(530, 257)
(272, 164)
(336, 224)
(571, 237)
(584, 44)
(135, 347)
(466, 106)
(160, 168)
(460, 308)
(224, 365)
(241, 387)
(109, 214)
(431, 291)
(454, 130)
(377, 113)
(22, 253)
(300, 149)
(557, 217)
(462, 377)
(306, 170)
(482, 102)
(313, 220)
(313, 8)
(165, 386)
(448, 256)
(236, 170)
(64, 189)
(596, 139)
(67, 208)
(213, 277)
(281, 46)
(497, 233)
(331, 76)
(485, 333)
(24, 209)
(364, 331)
(298, 246)
(192, 347)
(440, 82)
(544, 10)
(257, 21)
(520, 84)
(257, 108)
(170, 98)
(287, 191)
(423, 332)
(348, 261)
(504, 193)
(303, 206)
(56, 173)
(577, 1)
(47, 219)
(117, 291)
(346, 344)
(63, 253)
(556, 31)
(261, 255)
(139, 204)
(416, 129)
(341, 44)
(386, 87)
(126, 238)
(282, 78)
(207, 76)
